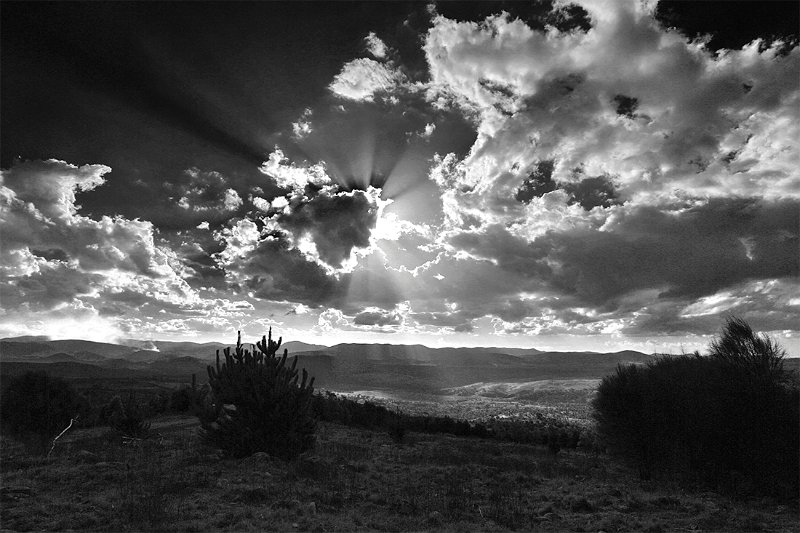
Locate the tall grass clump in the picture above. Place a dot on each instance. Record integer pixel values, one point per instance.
(730, 417)
(35, 407)
(258, 403)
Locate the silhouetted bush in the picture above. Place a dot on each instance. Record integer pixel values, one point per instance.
(35, 407)
(730, 417)
(257, 403)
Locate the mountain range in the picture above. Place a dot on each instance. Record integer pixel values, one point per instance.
(343, 367)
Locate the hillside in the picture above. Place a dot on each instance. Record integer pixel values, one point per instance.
(355, 480)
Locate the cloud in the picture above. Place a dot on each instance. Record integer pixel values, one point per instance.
(374, 316)
(336, 223)
(59, 265)
(361, 79)
(265, 265)
(204, 193)
(39, 213)
(699, 250)
(375, 46)
(302, 127)
(598, 101)
(289, 176)
(332, 320)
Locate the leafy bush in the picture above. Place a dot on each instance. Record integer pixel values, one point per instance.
(35, 407)
(729, 417)
(258, 403)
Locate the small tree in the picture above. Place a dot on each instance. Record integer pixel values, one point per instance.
(259, 403)
(35, 407)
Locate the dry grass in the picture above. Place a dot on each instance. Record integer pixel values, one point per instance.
(356, 480)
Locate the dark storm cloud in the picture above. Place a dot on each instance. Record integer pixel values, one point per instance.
(275, 272)
(51, 286)
(336, 223)
(588, 192)
(592, 192)
(678, 255)
(509, 252)
(537, 183)
(698, 251)
(265, 264)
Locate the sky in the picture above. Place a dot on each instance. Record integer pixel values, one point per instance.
(588, 175)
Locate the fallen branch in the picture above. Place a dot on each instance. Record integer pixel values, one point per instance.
(71, 421)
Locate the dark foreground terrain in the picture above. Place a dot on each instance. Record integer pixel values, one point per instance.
(356, 480)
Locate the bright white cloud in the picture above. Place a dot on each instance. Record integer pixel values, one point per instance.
(375, 45)
(361, 79)
(556, 96)
(289, 176)
(302, 128)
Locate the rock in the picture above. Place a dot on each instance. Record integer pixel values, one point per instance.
(311, 508)
(435, 517)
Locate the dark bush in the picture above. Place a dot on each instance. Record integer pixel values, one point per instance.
(181, 400)
(258, 403)
(730, 418)
(128, 418)
(35, 407)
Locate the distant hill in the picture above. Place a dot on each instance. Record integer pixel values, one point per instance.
(343, 367)
(422, 369)
(297, 347)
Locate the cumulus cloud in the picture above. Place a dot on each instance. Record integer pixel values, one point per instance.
(205, 194)
(375, 45)
(618, 172)
(302, 128)
(363, 78)
(39, 213)
(626, 99)
(382, 318)
(289, 176)
(265, 265)
(55, 259)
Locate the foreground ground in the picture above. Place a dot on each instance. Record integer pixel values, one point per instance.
(356, 480)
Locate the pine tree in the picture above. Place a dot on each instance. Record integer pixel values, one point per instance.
(259, 403)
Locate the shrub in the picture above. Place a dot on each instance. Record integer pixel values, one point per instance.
(128, 418)
(729, 417)
(36, 407)
(258, 403)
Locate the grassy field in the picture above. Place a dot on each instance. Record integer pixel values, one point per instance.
(356, 480)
